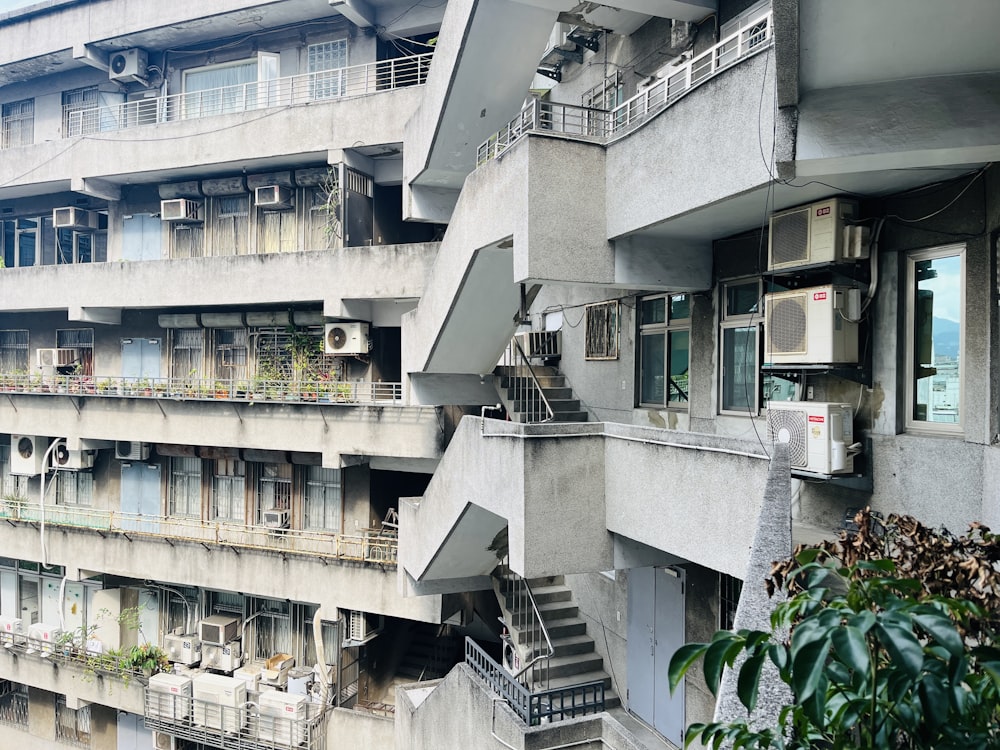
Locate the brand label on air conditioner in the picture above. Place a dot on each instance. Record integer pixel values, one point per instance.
(289, 709)
(824, 211)
(175, 690)
(816, 418)
(819, 296)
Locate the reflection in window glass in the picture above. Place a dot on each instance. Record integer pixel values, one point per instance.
(680, 347)
(739, 364)
(742, 299)
(936, 337)
(664, 350)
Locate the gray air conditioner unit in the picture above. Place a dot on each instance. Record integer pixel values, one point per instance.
(362, 627)
(128, 65)
(26, 453)
(817, 233)
(181, 211)
(57, 357)
(218, 630)
(347, 338)
(69, 460)
(273, 197)
(276, 518)
(129, 450)
(71, 217)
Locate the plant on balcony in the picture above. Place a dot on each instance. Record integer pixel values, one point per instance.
(12, 504)
(104, 386)
(220, 389)
(146, 658)
(302, 347)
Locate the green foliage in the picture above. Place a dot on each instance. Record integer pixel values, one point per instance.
(873, 661)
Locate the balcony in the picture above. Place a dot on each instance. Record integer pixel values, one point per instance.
(309, 88)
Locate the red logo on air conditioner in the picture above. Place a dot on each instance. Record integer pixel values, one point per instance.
(823, 211)
(289, 709)
(819, 296)
(816, 418)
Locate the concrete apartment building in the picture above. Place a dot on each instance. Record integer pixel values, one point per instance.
(352, 349)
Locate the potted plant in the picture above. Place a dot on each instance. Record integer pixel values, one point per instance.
(145, 658)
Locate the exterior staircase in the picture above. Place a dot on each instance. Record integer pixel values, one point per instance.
(574, 661)
(521, 399)
(432, 652)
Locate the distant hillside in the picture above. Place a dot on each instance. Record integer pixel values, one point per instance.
(947, 339)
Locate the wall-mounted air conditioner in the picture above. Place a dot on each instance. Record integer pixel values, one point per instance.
(56, 357)
(362, 627)
(70, 460)
(817, 233)
(218, 629)
(9, 627)
(276, 518)
(131, 450)
(182, 649)
(128, 65)
(225, 658)
(26, 453)
(169, 696)
(816, 325)
(347, 338)
(820, 435)
(43, 637)
(273, 197)
(214, 692)
(163, 741)
(71, 217)
(181, 211)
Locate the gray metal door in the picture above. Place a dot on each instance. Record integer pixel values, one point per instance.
(141, 497)
(141, 237)
(140, 358)
(655, 632)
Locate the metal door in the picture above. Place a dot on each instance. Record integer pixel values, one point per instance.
(140, 358)
(141, 497)
(141, 237)
(51, 602)
(8, 594)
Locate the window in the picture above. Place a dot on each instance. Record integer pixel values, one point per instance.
(274, 488)
(17, 124)
(218, 89)
(81, 339)
(185, 487)
(935, 289)
(325, 63)
(230, 223)
(664, 348)
(322, 499)
(231, 353)
(729, 599)
(72, 725)
(228, 490)
(186, 353)
(79, 111)
(13, 485)
(74, 488)
(740, 326)
(601, 330)
(14, 351)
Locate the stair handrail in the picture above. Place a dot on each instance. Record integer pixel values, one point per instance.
(515, 346)
(519, 617)
(549, 649)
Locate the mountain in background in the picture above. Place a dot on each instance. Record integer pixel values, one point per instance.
(947, 338)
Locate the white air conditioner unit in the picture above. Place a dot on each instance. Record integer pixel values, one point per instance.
(9, 627)
(282, 719)
(362, 627)
(347, 338)
(70, 460)
(71, 217)
(56, 357)
(181, 211)
(816, 325)
(163, 741)
(276, 518)
(130, 450)
(218, 629)
(813, 234)
(43, 637)
(128, 65)
(182, 649)
(214, 692)
(273, 197)
(169, 696)
(26, 453)
(820, 435)
(222, 658)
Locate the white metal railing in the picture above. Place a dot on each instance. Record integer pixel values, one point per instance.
(326, 85)
(565, 119)
(317, 391)
(373, 546)
(525, 395)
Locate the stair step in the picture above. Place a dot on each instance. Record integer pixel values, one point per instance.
(572, 644)
(526, 382)
(551, 610)
(543, 594)
(558, 629)
(574, 664)
(597, 675)
(558, 405)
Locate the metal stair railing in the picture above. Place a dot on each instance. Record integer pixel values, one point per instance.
(523, 388)
(529, 636)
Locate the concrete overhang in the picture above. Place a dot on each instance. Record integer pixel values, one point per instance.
(625, 16)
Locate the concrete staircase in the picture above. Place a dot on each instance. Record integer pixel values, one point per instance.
(432, 652)
(575, 660)
(519, 397)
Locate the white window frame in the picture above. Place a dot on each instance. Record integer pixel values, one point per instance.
(731, 321)
(920, 426)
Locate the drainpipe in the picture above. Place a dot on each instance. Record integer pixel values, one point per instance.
(324, 670)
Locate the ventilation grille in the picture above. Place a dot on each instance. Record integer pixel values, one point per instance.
(789, 426)
(790, 238)
(787, 320)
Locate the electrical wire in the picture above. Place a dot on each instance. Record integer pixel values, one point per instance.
(979, 173)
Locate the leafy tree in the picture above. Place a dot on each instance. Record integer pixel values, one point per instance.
(892, 644)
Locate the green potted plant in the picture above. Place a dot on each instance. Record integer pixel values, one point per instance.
(146, 658)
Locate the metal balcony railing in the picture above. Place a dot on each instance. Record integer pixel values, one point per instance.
(602, 125)
(67, 651)
(307, 88)
(372, 546)
(184, 388)
(534, 707)
(245, 727)
(14, 709)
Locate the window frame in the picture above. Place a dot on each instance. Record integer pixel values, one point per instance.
(912, 425)
(602, 330)
(17, 117)
(182, 473)
(670, 325)
(753, 320)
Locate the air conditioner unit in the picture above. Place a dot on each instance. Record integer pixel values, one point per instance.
(222, 658)
(181, 211)
(362, 627)
(182, 649)
(128, 65)
(43, 637)
(810, 326)
(273, 197)
(820, 435)
(218, 702)
(26, 453)
(163, 741)
(130, 450)
(347, 338)
(71, 217)
(169, 696)
(813, 234)
(276, 518)
(56, 357)
(218, 629)
(70, 460)
(282, 719)
(9, 627)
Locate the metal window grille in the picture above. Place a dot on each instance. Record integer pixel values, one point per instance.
(229, 490)
(17, 124)
(72, 726)
(274, 488)
(274, 355)
(81, 339)
(271, 632)
(729, 599)
(231, 353)
(13, 703)
(74, 488)
(79, 100)
(322, 498)
(13, 485)
(233, 205)
(187, 352)
(601, 326)
(185, 486)
(14, 351)
(358, 182)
